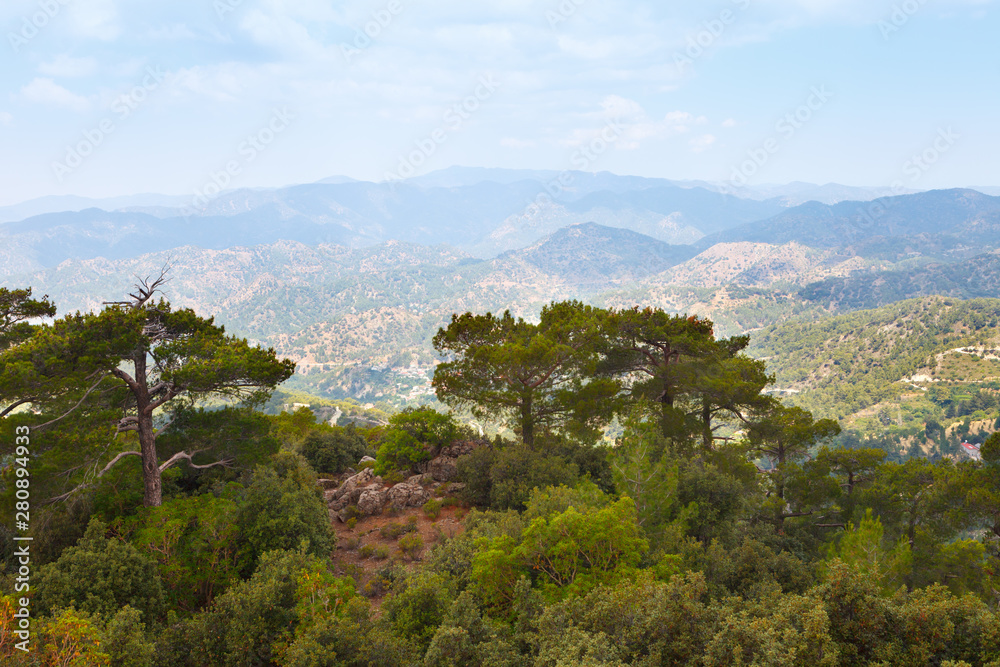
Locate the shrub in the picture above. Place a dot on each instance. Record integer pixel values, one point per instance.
(336, 450)
(392, 531)
(367, 551)
(416, 611)
(352, 522)
(243, 625)
(518, 469)
(432, 508)
(413, 436)
(381, 552)
(282, 508)
(411, 545)
(126, 641)
(100, 576)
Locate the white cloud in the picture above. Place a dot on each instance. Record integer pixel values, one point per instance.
(6, 118)
(702, 143)
(729, 122)
(47, 91)
(66, 66)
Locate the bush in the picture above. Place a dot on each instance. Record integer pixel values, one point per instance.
(411, 545)
(243, 625)
(414, 436)
(125, 640)
(432, 508)
(100, 576)
(283, 507)
(336, 450)
(417, 610)
(518, 469)
(392, 531)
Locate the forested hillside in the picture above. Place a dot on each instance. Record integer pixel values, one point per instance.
(175, 524)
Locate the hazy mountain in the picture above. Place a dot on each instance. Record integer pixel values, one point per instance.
(591, 254)
(976, 277)
(936, 221)
(57, 204)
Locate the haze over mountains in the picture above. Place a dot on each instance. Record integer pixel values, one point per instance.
(352, 279)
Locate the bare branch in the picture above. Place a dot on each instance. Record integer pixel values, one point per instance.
(14, 406)
(72, 409)
(179, 456)
(87, 485)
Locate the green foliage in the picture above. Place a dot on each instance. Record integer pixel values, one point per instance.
(537, 378)
(413, 436)
(193, 541)
(863, 548)
(282, 509)
(432, 508)
(126, 642)
(411, 545)
(517, 469)
(415, 611)
(335, 451)
(17, 308)
(243, 626)
(100, 575)
(567, 553)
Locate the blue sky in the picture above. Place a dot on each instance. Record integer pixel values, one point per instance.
(162, 96)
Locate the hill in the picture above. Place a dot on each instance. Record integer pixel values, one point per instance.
(843, 365)
(939, 222)
(591, 254)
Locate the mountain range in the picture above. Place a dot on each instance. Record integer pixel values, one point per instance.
(352, 279)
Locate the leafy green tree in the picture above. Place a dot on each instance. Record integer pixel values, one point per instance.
(282, 508)
(101, 575)
(538, 377)
(336, 450)
(414, 436)
(194, 542)
(727, 388)
(17, 308)
(144, 355)
(661, 355)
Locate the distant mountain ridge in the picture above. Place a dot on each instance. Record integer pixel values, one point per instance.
(591, 254)
(953, 217)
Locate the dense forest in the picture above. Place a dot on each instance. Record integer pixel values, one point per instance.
(175, 523)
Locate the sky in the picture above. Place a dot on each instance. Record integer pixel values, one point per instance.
(103, 98)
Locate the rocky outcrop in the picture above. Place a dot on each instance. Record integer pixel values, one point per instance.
(406, 495)
(366, 459)
(442, 467)
(350, 491)
(372, 500)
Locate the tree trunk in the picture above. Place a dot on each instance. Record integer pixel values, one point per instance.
(151, 477)
(706, 421)
(527, 419)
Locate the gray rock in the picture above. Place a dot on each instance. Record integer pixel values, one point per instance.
(372, 500)
(366, 459)
(350, 491)
(406, 495)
